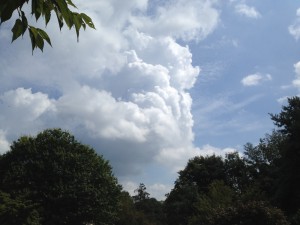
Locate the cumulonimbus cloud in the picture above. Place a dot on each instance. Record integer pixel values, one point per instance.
(124, 88)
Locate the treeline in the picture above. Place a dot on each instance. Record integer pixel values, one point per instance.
(53, 179)
(261, 186)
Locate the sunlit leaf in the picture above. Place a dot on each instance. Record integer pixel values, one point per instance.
(87, 20)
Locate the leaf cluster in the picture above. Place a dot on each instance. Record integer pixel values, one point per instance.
(44, 9)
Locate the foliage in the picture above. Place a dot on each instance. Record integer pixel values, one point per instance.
(248, 214)
(44, 9)
(59, 179)
(218, 197)
(194, 180)
(287, 194)
(17, 211)
(237, 175)
(262, 187)
(142, 194)
(201, 171)
(140, 209)
(127, 212)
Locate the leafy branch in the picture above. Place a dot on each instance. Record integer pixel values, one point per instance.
(43, 8)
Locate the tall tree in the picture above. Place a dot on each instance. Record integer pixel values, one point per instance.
(288, 189)
(142, 194)
(42, 8)
(263, 162)
(58, 180)
(194, 180)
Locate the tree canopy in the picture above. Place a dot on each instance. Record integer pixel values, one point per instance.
(259, 187)
(54, 179)
(42, 9)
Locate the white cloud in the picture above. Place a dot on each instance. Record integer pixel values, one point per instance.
(22, 110)
(4, 144)
(255, 79)
(294, 29)
(123, 89)
(187, 20)
(247, 11)
(282, 100)
(296, 81)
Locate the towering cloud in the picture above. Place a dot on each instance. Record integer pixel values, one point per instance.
(122, 89)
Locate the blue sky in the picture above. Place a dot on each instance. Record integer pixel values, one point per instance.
(157, 83)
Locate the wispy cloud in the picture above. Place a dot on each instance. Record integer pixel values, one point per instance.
(247, 11)
(296, 81)
(294, 29)
(255, 79)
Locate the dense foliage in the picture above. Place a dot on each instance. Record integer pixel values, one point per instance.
(140, 209)
(260, 187)
(42, 8)
(53, 179)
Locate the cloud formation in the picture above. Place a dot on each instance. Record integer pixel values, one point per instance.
(294, 29)
(255, 79)
(123, 89)
(296, 81)
(247, 11)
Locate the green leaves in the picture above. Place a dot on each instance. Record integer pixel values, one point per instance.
(43, 9)
(20, 27)
(37, 37)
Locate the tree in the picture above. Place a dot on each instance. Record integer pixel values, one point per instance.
(57, 180)
(202, 171)
(263, 162)
(42, 8)
(127, 213)
(17, 211)
(193, 181)
(249, 213)
(237, 172)
(219, 196)
(287, 186)
(142, 194)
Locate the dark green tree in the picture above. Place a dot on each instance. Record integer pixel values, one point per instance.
(42, 9)
(219, 196)
(237, 172)
(149, 211)
(201, 172)
(263, 162)
(17, 211)
(258, 213)
(193, 181)
(287, 186)
(142, 194)
(127, 213)
(57, 180)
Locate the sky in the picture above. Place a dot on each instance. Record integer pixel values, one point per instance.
(157, 83)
